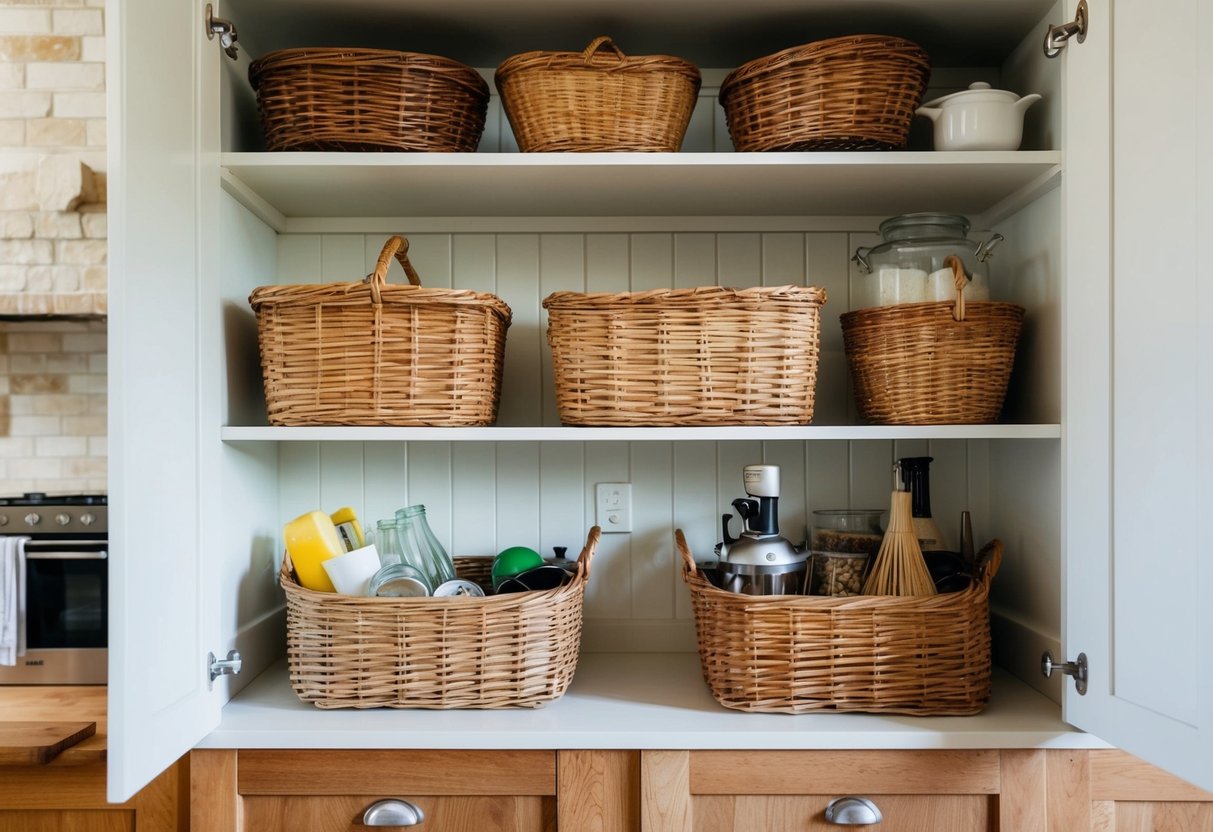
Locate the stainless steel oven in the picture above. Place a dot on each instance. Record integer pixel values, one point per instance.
(66, 588)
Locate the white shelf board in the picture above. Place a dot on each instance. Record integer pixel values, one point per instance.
(633, 701)
(861, 184)
(624, 434)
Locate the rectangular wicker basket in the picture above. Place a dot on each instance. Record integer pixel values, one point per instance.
(598, 99)
(919, 656)
(677, 357)
(374, 353)
(517, 650)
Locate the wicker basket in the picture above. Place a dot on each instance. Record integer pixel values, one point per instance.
(368, 99)
(674, 357)
(874, 654)
(373, 353)
(501, 651)
(914, 364)
(851, 93)
(597, 100)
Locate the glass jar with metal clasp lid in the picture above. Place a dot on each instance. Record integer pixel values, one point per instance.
(912, 264)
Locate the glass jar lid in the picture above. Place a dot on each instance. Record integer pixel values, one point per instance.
(925, 226)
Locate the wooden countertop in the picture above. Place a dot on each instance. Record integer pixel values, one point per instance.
(61, 703)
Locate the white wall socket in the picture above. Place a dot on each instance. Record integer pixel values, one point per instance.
(613, 501)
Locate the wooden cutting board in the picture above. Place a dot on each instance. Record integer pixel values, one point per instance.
(37, 743)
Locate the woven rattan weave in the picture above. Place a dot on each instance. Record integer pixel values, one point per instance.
(850, 93)
(368, 99)
(676, 357)
(874, 654)
(598, 99)
(914, 364)
(501, 651)
(374, 353)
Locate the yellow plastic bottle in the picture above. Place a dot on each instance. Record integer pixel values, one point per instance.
(349, 531)
(311, 539)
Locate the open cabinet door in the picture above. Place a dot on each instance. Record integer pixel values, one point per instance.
(161, 137)
(1139, 390)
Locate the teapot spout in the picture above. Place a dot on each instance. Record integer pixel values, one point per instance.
(1027, 101)
(932, 112)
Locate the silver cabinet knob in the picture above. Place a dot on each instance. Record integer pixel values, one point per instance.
(32, 519)
(88, 519)
(852, 811)
(62, 519)
(393, 813)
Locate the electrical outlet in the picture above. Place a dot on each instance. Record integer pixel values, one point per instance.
(614, 506)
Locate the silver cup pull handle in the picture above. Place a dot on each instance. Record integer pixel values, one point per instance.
(393, 813)
(852, 811)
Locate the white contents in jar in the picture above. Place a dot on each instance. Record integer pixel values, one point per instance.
(941, 285)
(978, 289)
(901, 285)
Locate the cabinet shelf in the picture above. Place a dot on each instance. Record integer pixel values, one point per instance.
(281, 187)
(624, 434)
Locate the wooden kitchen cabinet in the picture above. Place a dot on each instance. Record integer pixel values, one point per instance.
(1103, 434)
(71, 798)
(458, 791)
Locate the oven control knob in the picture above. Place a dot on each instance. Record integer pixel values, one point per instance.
(3, 519)
(62, 519)
(88, 519)
(32, 519)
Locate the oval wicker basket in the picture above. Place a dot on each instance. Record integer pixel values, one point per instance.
(500, 651)
(374, 353)
(678, 357)
(888, 654)
(368, 99)
(850, 93)
(598, 99)
(915, 364)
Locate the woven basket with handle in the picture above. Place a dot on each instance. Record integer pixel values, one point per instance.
(851, 93)
(678, 357)
(374, 353)
(368, 99)
(598, 99)
(922, 656)
(501, 651)
(939, 363)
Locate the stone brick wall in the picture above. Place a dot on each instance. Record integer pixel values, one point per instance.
(52, 245)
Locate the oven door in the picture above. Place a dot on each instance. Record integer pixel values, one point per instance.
(66, 614)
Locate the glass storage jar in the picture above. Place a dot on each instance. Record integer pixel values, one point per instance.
(909, 266)
(842, 542)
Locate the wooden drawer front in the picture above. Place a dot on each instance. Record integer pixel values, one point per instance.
(362, 772)
(100, 820)
(845, 772)
(442, 814)
(902, 813)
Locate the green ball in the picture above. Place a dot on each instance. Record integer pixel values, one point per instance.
(514, 560)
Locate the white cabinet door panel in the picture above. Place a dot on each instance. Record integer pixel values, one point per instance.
(1137, 492)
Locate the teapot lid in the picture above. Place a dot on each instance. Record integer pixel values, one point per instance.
(978, 92)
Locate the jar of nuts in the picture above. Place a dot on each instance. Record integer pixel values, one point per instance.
(842, 542)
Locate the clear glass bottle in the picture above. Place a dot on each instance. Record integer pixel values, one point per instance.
(909, 266)
(420, 546)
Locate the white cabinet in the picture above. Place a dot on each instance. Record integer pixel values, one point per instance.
(200, 217)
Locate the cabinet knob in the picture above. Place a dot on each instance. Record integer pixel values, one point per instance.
(393, 813)
(852, 811)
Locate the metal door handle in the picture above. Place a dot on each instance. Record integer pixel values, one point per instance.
(1078, 669)
(393, 813)
(852, 811)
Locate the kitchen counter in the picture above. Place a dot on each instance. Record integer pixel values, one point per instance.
(633, 701)
(61, 703)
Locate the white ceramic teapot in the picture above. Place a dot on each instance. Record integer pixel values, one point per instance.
(978, 118)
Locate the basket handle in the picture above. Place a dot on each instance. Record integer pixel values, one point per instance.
(397, 247)
(601, 42)
(961, 280)
(988, 560)
(587, 554)
(688, 561)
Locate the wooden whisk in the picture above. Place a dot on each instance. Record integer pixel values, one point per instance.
(899, 568)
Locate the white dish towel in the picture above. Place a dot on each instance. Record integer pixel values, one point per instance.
(12, 599)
